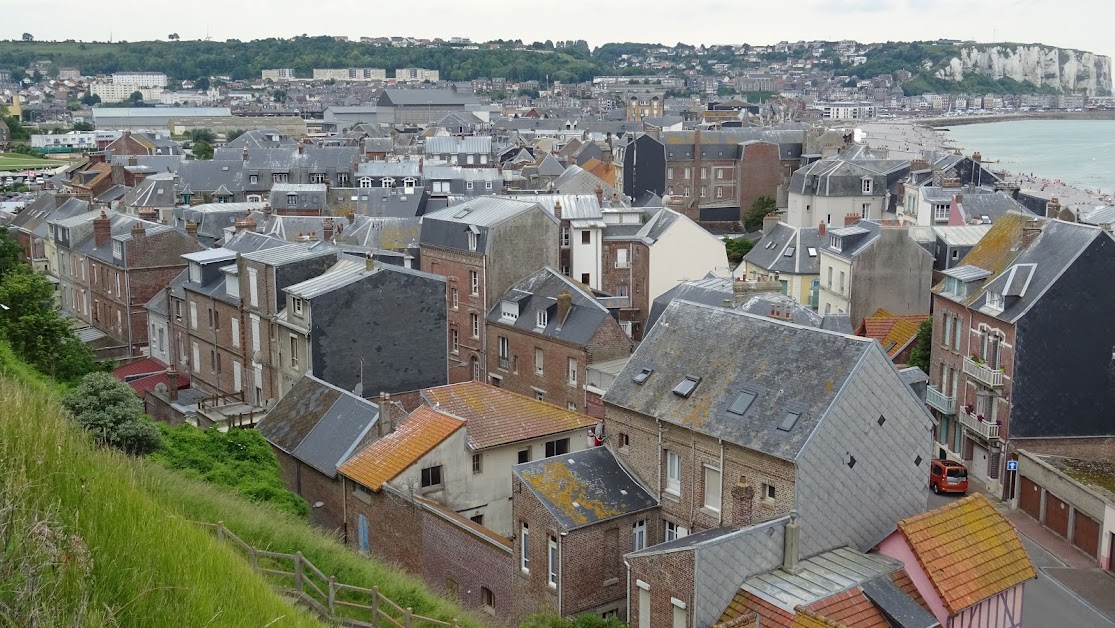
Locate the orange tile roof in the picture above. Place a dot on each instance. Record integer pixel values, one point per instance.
(747, 602)
(902, 333)
(806, 618)
(996, 250)
(849, 607)
(497, 417)
(605, 172)
(969, 551)
(389, 456)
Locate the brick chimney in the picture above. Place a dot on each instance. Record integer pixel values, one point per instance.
(821, 227)
(743, 502)
(138, 231)
(386, 423)
(599, 191)
(244, 154)
(370, 263)
(1053, 208)
(327, 229)
(1030, 231)
(351, 217)
(172, 383)
(564, 305)
(851, 219)
(950, 182)
(191, 228)
(557, 210)
(102, 229)
(976, 157)
(770, 221)
(302, 147)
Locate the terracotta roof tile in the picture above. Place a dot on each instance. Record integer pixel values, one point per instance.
(902, 333)
(389, 456)
(746, 601)
(969, 551)
(145, 366)
(849, 607)
(496, 416)
(143, 384)
(806, 618)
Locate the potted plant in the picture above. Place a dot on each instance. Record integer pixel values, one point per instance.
(980, 418)
(968, 409)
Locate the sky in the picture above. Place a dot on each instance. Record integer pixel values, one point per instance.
(1063, 23)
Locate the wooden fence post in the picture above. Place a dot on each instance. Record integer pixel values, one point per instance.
(332, 593)
(254, 558)
(221, 531)
(298, 572)
(375, 607)
(407, 614)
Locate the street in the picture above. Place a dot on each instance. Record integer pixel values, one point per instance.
(1045, 602)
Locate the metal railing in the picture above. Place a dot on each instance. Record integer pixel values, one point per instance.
(985, 428)
(983, 373)
(942, 402)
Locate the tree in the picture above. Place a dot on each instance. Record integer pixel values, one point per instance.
(753, 219)
(112, 413)
(136, 97)
(233, 134)
(173, 37)
(84, 126)
(11, 254)
(90, 99)
(279, 95)
(923, 346)
(202, 84)
(36, 332)
(203, 150)
(202, 135)
(28, 37)
(737, 248)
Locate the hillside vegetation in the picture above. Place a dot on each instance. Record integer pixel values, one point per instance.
(89, 537)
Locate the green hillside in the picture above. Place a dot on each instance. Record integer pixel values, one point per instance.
(94, 538)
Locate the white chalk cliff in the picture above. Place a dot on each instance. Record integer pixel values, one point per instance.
(1070, 71)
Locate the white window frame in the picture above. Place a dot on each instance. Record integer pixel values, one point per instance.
(253, 287)
(553, 560)
(621, 258)
(673, 472)
(539, 361)
(639, 535)
(193, 315)
(524, 547)
(866, 185)
(712, 488)
(455, 298)
(474, 321)
(572, 375)
(454, 340)
(472, 240)
(543, 319)
(474, 282)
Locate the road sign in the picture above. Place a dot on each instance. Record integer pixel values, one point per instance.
(1012, 465)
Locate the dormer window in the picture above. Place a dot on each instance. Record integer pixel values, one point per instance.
(995, 300)
(409, 182)
(543, 319)
(866, 185)
(472, 237)
(195, 273)
(292, 199)
(387, 182)
(835, 243)
(509, 311)
(642, 376)
(118, 249)
(956, 287)
(297, 303)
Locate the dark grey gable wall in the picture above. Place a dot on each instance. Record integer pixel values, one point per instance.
(1064, 372)
(395, 321)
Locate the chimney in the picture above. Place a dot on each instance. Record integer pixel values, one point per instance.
(172, 383)
(327, 229)
(302, 147)
(369, 263)
(743, 502)
(351, 217)
(102, 229)
(191, 228)
(770, 221)
(1030, 231)
(950, 182)
(1053, 207)
(821, 228)
(557, 210)
(792, 545)
(958, 199)
(385, 421)
(976, 157)
(267, 209)
(118, 174)
(138, 231)
(850, 219)
(564, 304)
(599, 191)
(728, 303)
(244, 154)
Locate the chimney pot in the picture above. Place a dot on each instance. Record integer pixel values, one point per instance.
(191, 228)
(792, 545)
(172, 383)
(821, 228)
(102, 229)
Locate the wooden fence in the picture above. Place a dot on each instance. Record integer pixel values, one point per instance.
(342, 603)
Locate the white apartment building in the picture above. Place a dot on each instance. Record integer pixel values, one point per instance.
(416, 75)
(847, 110)
(279, 74)
(119, 92)
(350, 74)
(142, 79)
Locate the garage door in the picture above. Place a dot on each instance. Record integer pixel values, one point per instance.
(1056, 515)
(1086, 534)
(978, 466)
(1029, 498)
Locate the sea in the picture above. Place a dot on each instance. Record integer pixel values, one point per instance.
(1080, 153)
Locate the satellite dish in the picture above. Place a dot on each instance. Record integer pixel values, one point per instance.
(161, 388)
(358, 389)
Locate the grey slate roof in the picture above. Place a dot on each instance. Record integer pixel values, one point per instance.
(291, 253)
(993, 206)
(577, 180)
(821, 576)
(156, 190)
(709, 291)
(567, 484)
(453, 145)
(855, 239)
(899, 608)
(788, 367)
(447, 227)
(425, 97)
(538, 292)
(319, 424)
(838, 177)
(550, 166)
(782, 307)
(774, 253)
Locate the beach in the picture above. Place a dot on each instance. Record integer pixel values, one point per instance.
(904, 139)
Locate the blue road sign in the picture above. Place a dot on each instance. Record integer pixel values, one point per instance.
(1012, 465)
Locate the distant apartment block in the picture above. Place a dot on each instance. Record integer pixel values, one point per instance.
(847, 110)
(119, 92)
(416, 75)
(350, 74)
(141, 79)
(280, 74)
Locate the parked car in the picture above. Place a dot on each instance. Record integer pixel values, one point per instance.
(948, 476)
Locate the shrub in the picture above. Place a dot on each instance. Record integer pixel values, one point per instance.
(110, 411)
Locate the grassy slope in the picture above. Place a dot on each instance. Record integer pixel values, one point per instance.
(15, 161)
(150, 566)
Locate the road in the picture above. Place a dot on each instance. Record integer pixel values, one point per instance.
(1045, 602)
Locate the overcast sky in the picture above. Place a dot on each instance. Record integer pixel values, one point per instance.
(1064, 23)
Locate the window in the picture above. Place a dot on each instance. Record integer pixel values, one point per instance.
(474, 282)
(297, 306)
(387, 182)
(704, 173)
(292, 199)
(553, 555)
(572, 407)
(712, 488)
(196, 358)
(293, 351)
(564, 236)
(474, 319)
(995, 300)
(452, 589)
(586, 237)
(539, 395)
(572, 371)
(472, 240)
(719, 192)
(509, 310)
(866, 186)
(365, 182)
(638, 535)
(454, 340)
(681, 616)
(959, 330)
(209, 315)
(195, 273)
(487, 185)
(674, 531)
(769, 492)
(469, 185)
(642, 376)
(865, 209)
(941, 212)
(686, 386)
(543, 318)
(409, 182)
(216, 320)
(475, 368)
(841, 282)
(673, 472)
(488, 599)
(253, 287)
(703, 191)
(504, 350)
(524, 455)
(788, 421)
(524, 541)
(586, 278)
(719, 173)
(213, 362)
(431, 476)
(624, 440)
(477, 463)
(253, 179)
(557, 447)
(621, 258)
(742, 403)
(669, 173)
(317, 177)
(538, 361)
(193, 315)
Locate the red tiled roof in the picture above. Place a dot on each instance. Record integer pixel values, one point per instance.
(140, 367)
(496, 416)
(849, 607)
(968, 550)
(143, 384)
(745, 602)
(389, 456)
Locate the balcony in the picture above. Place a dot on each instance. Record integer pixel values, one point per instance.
(983, 373)
(985, 428)
(504, 363)
(942, 402)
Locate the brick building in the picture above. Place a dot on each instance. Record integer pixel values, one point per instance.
(482, 247)
(544, 334)
(1004, 375)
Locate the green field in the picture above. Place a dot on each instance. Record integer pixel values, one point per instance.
(16, 161)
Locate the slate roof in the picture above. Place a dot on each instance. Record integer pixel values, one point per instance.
(709, 291)
(497, 417)
(854, 239)
(156, 190)
(968, 550)
(820, 577)
(261, 138)
(383, 460)
(453, 145)
(786, 250)
(573, 206)
(425, 98)
(318, 423)
(538, 292)
(840, 177)
(993, 206)
(584, 487)
(781, 307)
(288, 253)
(789, 368)
(577, 180)
(550, 166)
(447, 227)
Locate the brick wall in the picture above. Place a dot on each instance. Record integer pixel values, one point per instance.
(760, 174)
(636, 278)
(215, 371)
(314, 486)
(455, 267)
(521, 376)
(439, 546)
(741, 466)
(669, 575)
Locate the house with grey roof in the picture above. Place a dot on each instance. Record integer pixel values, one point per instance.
(463, 181)
(789, 255)
(468, 152)
(153, 198)
(421, 106)
(544, 334)
(849, 186)
(733, 419)
(364, 327)
(313, 429)
(482, 247)
(261, 138)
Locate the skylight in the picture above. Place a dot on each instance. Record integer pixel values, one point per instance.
(789, 421)
(742, 403)
(462, 213)
(686, 386)
(812, 252)
(789, 252)
(642, 377)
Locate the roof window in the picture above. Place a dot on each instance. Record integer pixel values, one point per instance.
(789, 421)
(789, 252)
(642, 377)
(742, 403)
(686, 386)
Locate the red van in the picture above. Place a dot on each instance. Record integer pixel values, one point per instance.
(947, 476)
